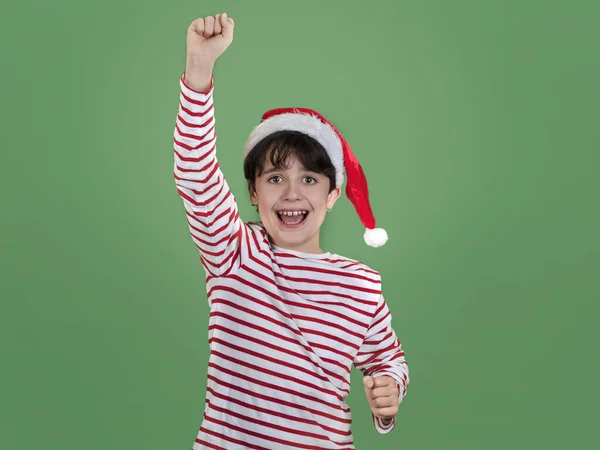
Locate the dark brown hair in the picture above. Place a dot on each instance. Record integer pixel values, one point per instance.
(279, 146)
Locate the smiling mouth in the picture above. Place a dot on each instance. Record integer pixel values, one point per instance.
(292, 219)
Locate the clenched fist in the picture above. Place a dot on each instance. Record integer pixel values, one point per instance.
(383, 396)
(207, 39)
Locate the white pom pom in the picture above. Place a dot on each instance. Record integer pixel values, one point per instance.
(375, 237)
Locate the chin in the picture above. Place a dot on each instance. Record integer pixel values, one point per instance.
(287, 239)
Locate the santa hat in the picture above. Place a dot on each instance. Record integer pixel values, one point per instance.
(313, 124)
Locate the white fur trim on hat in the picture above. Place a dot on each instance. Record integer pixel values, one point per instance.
(375, 237)
(307, 124)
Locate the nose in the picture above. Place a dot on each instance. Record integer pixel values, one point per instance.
(292, 192)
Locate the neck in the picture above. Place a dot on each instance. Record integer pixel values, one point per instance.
(311, 246)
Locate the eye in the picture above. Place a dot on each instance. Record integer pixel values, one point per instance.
(310, 180)
(275, 179)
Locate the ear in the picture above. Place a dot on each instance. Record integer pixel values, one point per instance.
(333, 196)
(253, 196)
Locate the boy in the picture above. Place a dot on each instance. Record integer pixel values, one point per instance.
(287, 320)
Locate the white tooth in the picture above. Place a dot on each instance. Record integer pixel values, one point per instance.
(295, 213)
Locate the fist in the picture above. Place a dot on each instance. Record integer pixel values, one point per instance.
(382, 395)
(208, 38)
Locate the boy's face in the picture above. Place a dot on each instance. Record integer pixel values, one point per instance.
(292, 203)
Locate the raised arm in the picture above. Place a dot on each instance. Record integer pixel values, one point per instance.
(211, 210)
(381, 359)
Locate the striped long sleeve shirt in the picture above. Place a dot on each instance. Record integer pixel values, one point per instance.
(285, 327)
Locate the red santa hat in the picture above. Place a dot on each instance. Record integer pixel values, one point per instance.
(313, 124)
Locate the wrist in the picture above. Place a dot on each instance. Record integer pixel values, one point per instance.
(200, 83)
(384, 426)
(198, 75)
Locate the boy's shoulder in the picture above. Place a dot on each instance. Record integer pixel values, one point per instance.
(352, 265)
(360, 276)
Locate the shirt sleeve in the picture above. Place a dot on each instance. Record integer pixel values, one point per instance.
(381, 354)
(211, 209)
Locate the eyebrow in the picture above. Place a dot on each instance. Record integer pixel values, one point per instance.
(279, 169)
(272, 169)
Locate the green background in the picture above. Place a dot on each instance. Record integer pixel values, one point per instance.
(476, 123)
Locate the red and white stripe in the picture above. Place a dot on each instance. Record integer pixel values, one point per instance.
(285, 327)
